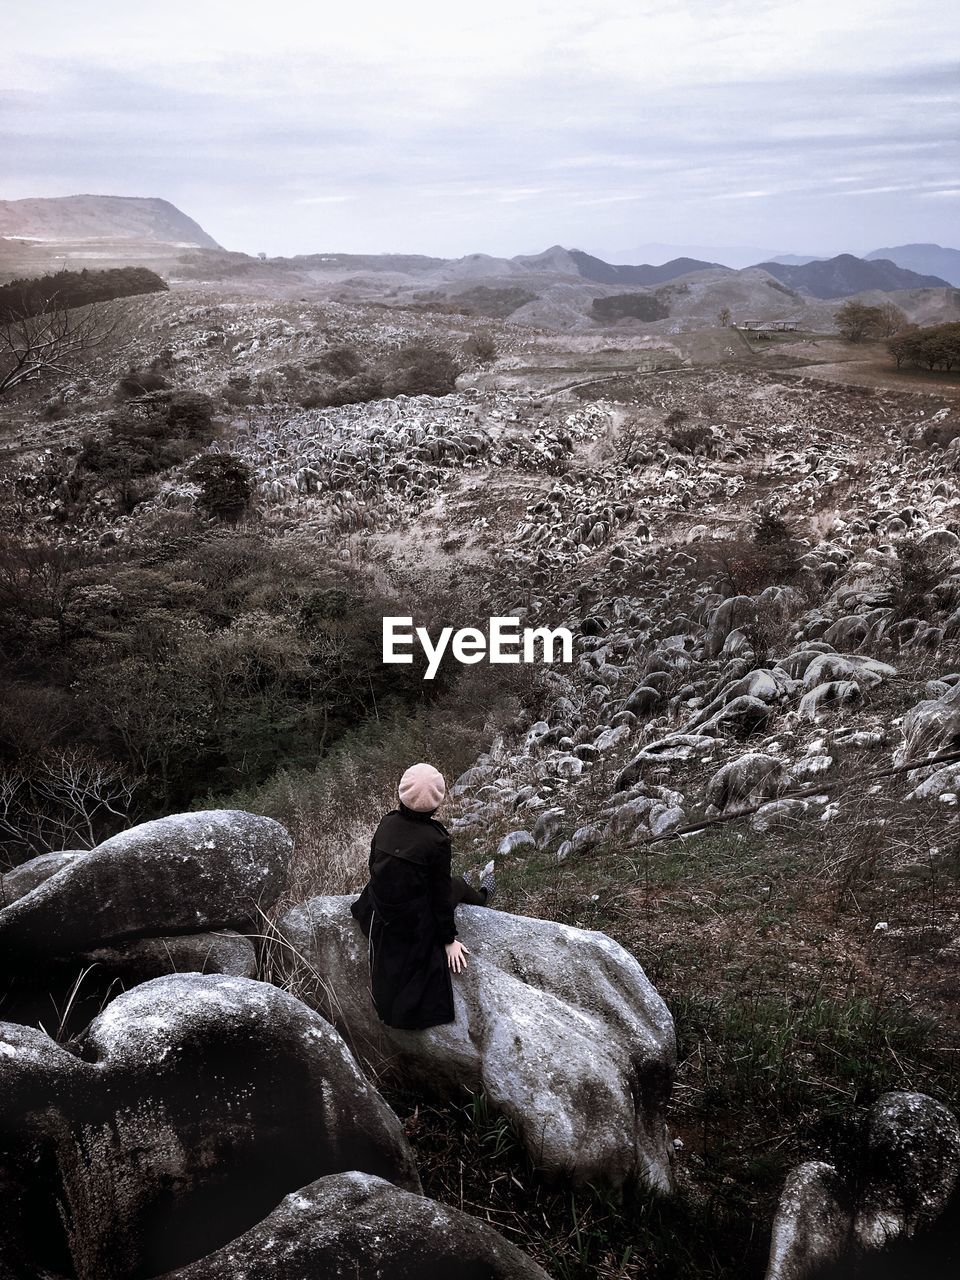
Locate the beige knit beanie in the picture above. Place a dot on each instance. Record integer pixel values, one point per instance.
(422, 788)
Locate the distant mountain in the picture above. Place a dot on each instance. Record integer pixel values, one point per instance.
(929, 259)
(796, 259)
(735, 256)
(845, 275)
(101, 217)
(556, 258)
(609, 273)
(575, 262)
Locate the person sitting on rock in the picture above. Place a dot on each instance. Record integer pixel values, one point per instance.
(407, 908)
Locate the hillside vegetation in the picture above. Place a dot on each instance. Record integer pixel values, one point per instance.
(74, 289)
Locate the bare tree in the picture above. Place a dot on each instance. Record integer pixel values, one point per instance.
(55, 341)
(63, 799)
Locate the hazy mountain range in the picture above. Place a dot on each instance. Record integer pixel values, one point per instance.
(555, 288)
(845, 275)
(929, 259)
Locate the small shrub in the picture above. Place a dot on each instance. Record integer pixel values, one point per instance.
(239, 390)
(163, 362)
(420, 369)
(695, 437)
(226, 485)
(918, 572)
(140, 382)
(190, 414)
(342, 361)
(357, 390)
(771, 530)
(481, 347)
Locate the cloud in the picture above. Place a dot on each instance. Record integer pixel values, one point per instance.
(325, 199)
(500, 127)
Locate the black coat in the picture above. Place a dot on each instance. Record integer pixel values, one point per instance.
(406, 911)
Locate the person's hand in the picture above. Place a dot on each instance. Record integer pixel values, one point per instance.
(456, 955)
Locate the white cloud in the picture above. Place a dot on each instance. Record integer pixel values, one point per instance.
(449, 128)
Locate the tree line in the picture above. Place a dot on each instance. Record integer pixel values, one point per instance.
(65, 289)
(929, 347)
(934, 347)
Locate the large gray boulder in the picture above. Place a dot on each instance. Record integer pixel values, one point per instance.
(811, 1229)
(747, 781)
(18, 882)
(741, 716)
(828, 697)
(730, 615)
(188, 1109)
(768, 686)
(141, 959)
(559, 1027)
(930, 728)
(353, 1224)
(943, 782)
(189, 872)
(913, 1167)
(867, 672)
(910, 1171)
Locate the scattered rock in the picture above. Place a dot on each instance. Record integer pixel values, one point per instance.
(515, 840)
(811, 1227)
(548, 826)
(745, 782)
(910, 1171)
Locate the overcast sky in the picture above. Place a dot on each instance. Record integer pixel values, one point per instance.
(501, 126)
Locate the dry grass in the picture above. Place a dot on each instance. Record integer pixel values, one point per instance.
(793, 1011)
(332, 810)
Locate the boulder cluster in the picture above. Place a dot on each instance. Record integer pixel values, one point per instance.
(207, 1124)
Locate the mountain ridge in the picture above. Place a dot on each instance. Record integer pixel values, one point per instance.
(846, 275)
(90, 217)
(936, 259)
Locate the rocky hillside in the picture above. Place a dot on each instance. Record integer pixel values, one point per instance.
(557, 289)
(732, 817)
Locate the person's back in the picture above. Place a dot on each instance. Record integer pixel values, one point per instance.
(407, 908)
(407, 856)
